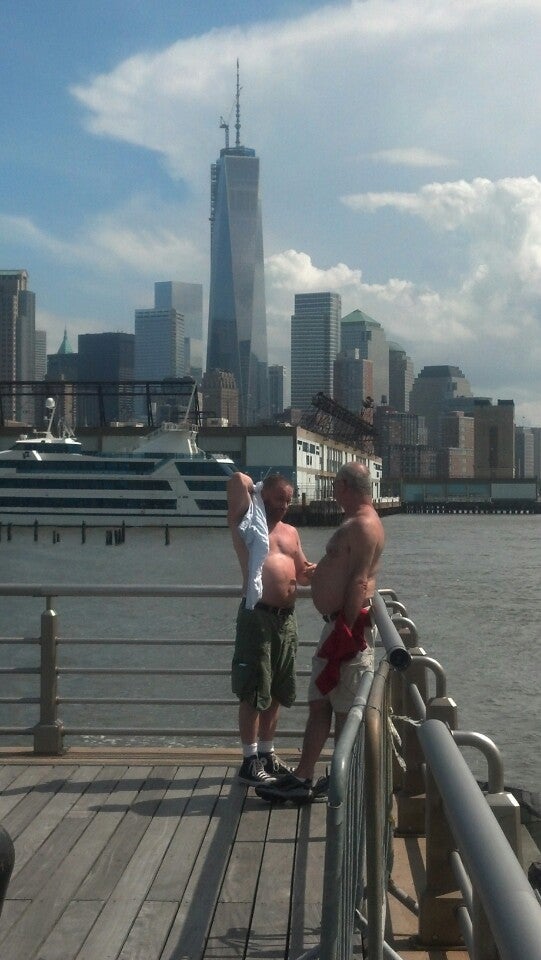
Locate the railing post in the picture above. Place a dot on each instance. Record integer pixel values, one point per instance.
(439, 901)
(506, 809)
(48, 732)
(410, 798)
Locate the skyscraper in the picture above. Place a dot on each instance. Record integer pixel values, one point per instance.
(237, 334)
(277, 375)
(315, 343)
(361, 332)
(186, 299)
(401, 378)
(105, 357)
(17, 332)
(159, 344)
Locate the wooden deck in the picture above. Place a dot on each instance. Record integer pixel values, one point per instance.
(162, 855)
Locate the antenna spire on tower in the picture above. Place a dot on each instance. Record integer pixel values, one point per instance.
(237, 122)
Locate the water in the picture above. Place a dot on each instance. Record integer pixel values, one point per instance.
(470, 584)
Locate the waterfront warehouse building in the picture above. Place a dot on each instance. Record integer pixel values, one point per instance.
(237, 331)
(315, 344)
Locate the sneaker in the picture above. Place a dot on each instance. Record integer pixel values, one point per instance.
(320, 789)
(273, 765)
(289, 787)
(253, 772)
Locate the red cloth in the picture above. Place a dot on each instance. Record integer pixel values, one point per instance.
(342, 644)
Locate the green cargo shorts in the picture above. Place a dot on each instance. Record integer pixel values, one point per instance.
(263, 665)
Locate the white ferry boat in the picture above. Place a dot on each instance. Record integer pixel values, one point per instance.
(166, 479)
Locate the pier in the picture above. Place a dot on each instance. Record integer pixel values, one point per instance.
(158, 853)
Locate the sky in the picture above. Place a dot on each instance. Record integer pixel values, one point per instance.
(400, 150)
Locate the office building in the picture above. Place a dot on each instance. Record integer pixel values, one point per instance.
(536, 433)
(105, 357)
(457, 445)
(401, 378)
(17, 340)
(315, 344)
(524, 453)
(40, 354)
(220, 398)
(186, 299)
(237, 331)
(435, 391)
(159, 344)
(353, 381)
(277, 376)
(62, 368)
(494, 439)
(360, 332)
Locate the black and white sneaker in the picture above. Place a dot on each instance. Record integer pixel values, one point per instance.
(273, 765)
(252, 772)
(286, 788)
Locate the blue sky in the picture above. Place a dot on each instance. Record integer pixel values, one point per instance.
(400, 164)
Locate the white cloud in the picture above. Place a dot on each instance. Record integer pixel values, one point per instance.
(410, 157)
(489, 320)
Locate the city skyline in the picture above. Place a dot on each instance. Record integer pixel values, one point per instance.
(419, 202)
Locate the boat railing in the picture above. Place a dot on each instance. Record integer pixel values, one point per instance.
(476, 894)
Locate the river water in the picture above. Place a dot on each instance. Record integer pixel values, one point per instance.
(470, 583)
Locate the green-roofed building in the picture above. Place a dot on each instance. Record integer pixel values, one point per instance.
(62, 365)
(360, 332)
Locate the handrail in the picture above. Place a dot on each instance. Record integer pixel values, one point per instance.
(508, 900)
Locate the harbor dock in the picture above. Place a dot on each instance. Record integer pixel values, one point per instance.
(135, 851)
(162, 855)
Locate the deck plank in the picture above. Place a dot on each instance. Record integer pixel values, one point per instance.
(37, 832)
(269, 931)
(110, 865)
(193, 921)
(36, 873)
(113, 926)
(149, 932)
(29, 808)
(20, 787)
(59, 887)
(307, 890)
(67, 937)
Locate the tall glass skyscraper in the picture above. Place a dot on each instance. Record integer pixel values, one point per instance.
(237, 333)
(315, 344)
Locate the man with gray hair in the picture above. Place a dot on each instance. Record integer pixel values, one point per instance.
(343, 585)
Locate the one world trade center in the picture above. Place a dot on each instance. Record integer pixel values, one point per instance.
(237, 333)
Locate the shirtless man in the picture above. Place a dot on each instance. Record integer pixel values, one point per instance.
(263, 669)
(343, 585)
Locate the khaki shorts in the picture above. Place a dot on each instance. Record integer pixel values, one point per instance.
(263, 665)
(341, 697)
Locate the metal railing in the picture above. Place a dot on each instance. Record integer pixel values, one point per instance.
(476, 894)
(51, 728)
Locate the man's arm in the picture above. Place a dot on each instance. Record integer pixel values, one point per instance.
(303, 568)
(240, 488)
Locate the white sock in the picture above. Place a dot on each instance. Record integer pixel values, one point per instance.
(249, 750)
(266, 746)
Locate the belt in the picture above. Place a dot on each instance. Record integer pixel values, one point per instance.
(331, 617)
(278, 611)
